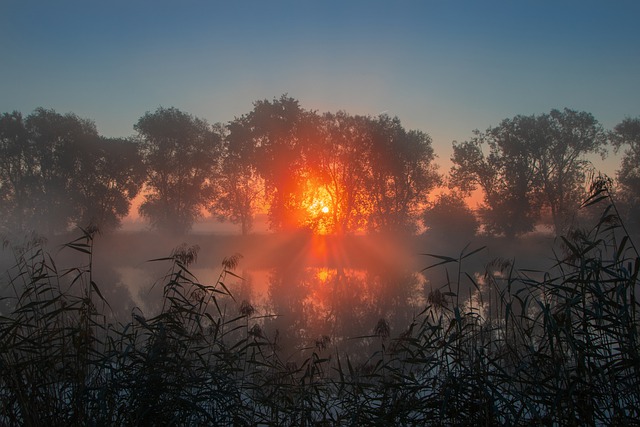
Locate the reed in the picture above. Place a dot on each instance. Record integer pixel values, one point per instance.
(557, 347)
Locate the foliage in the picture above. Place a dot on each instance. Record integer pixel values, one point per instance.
(525, 348)
(57, 171)
(402, 173)
(274, 136)
(239, 187)
(181, 155)
(534, 162)
(627, 134)
(110, 178)
(450, 216)
(330, 173)
(339, 163)
(373, 173)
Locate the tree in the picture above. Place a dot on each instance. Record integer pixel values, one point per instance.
(450, 217)
(533, 163)
(401, 174)
(330, 173)
(562, 164)
(109, 177)
(627, 134)
(16, 170)
(240, 189)
(58, 142)
(57, 171)
(181, 154)
(277, 133)
(338, 161)
(506, 175)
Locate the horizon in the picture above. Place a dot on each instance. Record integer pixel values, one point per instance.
(188, 239)
(442, 68)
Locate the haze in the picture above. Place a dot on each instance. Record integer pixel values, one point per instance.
(446, 68)
(336, 213)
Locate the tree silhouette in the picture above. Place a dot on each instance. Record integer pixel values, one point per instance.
(533, 163)
(240, 189)
(181, 154)
(57, 171)
(449, 217)
(562, 163)
(339, 161)
(627, 134)
(58, 142)
(506, 177)
(16, 171)
(401, 174)
(376, 172)
(278, 132)
(372, 172)
(333, 172)
(110, 176)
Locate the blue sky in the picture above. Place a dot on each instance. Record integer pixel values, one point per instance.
(444, 67)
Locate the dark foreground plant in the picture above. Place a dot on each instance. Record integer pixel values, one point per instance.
(556, 347)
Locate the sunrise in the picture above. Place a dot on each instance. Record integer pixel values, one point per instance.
(249, 213)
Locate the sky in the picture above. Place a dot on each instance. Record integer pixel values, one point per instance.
(443, 67)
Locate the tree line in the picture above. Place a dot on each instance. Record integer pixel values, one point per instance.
(331, 172)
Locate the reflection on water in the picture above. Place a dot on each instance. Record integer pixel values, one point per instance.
(339, 303)
(310, 288)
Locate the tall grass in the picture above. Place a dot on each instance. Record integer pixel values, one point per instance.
(525, 347)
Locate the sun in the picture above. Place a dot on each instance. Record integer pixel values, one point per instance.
(317, 208)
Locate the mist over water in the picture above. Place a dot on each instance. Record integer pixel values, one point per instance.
(367, 274)
(303, 287)
(403, 312)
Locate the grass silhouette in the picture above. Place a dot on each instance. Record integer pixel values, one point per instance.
(557, 347)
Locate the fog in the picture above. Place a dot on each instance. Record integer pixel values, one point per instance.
(300, 286)
(376, 266)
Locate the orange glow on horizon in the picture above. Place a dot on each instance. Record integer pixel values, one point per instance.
(473, 200)
(317, 208)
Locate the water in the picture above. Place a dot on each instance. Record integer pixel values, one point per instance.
(302, 288)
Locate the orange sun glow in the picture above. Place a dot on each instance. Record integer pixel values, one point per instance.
(317, 206)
